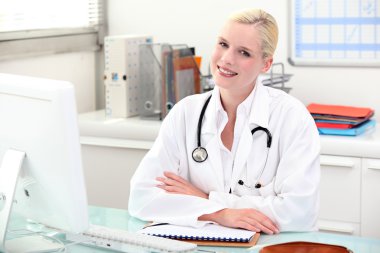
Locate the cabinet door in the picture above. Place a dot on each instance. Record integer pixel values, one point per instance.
(108, 171)
(340, 193)
(371, 198)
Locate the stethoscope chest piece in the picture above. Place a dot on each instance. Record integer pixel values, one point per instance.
(200, 154)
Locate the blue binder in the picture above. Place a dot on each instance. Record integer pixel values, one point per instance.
(349, 132)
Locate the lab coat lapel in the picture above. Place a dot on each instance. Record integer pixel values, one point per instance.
(242, 153)
(213, 150)
(210, 140)
(260, 108)
(259, 116)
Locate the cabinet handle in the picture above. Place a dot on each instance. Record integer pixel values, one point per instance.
(373, 165)
(337, 163)
(337, 229)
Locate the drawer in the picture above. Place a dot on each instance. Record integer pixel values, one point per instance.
(340, 188)
(370, 198)
(339, 227)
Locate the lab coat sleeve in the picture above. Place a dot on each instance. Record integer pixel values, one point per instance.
(151, 203)
(292, 198)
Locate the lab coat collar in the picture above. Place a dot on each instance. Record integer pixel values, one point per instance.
(245, 105)
(260, 107)
(259, 111)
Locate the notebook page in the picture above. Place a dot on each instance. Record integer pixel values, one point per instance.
(208, 232)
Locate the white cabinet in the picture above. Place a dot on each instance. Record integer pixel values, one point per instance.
(340, 194)
(112, 148)
(370, 211)
(350, 195)
(350, 184)
(108, 170)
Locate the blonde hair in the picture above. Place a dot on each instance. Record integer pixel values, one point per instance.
(266, 25)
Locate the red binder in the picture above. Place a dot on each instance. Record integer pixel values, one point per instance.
(334, 125)
(339, 110)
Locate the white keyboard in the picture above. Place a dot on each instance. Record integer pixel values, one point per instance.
(124, 241)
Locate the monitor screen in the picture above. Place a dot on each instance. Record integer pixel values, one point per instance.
(38, 119)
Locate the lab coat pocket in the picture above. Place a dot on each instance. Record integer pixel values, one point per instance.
(268, 190)
(242, 190)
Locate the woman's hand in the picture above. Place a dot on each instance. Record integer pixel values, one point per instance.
(175, 184)
(249, 219)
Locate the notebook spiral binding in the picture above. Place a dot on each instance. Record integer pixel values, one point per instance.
(197, 238)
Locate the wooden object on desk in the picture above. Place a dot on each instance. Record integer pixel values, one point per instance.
(249, 244)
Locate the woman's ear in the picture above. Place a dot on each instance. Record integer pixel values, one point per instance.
(267, 64)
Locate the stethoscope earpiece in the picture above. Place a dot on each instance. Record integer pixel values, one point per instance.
(257, 185)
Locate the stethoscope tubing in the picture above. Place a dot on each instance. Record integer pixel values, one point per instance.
(199, 129)
(200, 153)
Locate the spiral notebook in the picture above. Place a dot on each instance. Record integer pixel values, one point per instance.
(210, 234)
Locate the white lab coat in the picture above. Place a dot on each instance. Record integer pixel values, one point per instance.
(290, 192)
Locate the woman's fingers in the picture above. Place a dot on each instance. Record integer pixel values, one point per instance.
(168, 181)
(247, 218)
(171, 189)
(248, 226)
(175, 184)
(260, 226)
(175, 177)
(262, 222)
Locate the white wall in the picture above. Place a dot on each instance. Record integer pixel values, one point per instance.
(77, 68)
(197, 22)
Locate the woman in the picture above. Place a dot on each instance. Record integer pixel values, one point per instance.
(261, 180)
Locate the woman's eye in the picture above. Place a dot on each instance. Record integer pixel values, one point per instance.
(245, 53)
(223, 44)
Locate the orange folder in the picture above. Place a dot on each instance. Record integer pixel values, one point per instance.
(339, 110)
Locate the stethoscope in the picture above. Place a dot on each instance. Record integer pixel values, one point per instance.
(200, 153)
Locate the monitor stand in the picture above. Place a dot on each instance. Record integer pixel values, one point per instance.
(9, 171)
(32, 243)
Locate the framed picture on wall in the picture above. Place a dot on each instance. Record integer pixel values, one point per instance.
(334, 32)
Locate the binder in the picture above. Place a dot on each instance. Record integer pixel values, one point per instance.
(181, 76)
(185, 73)
(210, 234)
(344, 122)
(339, 110)
(334, 125)
(349, 132)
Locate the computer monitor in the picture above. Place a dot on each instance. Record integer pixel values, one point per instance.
(40, 150)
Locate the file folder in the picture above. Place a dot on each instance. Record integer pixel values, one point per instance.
(349, 132)
(338, 110)
(168, 73)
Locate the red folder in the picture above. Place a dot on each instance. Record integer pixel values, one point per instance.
(334, 125)
(339, 110)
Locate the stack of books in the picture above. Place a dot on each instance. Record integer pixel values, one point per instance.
(341, 120)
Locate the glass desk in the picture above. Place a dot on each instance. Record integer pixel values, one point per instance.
(117, 218)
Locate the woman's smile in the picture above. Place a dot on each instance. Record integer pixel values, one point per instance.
(226, 72)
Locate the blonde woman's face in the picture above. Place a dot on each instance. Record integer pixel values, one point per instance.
(237, 57)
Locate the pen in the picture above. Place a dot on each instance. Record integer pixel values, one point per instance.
(154, 224)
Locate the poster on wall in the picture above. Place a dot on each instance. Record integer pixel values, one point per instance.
(334, 32)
